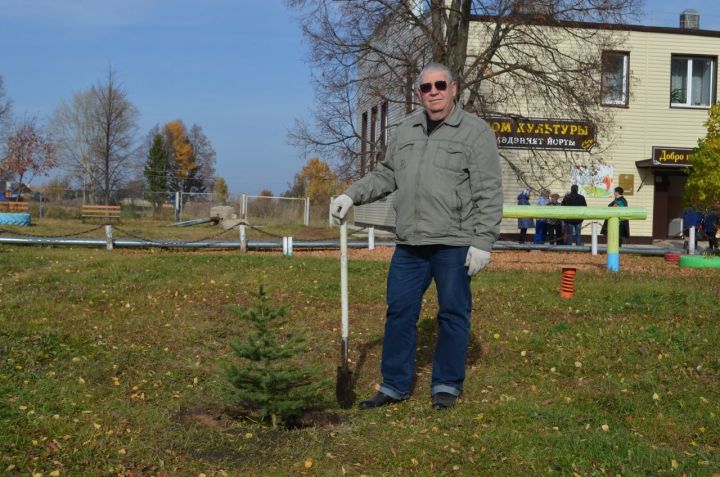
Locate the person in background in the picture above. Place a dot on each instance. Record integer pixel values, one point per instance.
(709, 225)
(691, 218)
(619, 200)
(573, 227)
(523, 224)
(554, 227)
(540, 224)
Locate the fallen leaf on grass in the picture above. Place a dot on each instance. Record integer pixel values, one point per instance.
(308, 463)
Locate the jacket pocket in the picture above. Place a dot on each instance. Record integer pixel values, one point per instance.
(451, 158)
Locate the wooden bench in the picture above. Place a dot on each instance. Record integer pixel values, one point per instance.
(100, 212)
(13, 207)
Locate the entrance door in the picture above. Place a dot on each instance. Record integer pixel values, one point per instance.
(668, 201)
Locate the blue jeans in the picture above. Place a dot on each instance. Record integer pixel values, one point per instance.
(411, 270)
(573, 231)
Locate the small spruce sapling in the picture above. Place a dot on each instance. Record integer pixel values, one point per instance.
(267, 378)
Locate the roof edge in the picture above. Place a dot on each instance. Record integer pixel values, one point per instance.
(541, 20)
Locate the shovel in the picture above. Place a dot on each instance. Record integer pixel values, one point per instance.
(343, 387)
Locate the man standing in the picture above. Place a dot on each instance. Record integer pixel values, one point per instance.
(443, 164)
(573, 227)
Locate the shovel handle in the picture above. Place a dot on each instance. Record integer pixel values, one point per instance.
(344, 281)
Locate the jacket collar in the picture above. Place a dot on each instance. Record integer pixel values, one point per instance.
(420, 119)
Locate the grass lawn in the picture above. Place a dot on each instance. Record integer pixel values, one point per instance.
(111, 364)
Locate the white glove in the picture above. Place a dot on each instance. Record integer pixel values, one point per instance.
(339, 207)
(476, 260)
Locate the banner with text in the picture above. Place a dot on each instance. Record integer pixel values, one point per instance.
(534, 133)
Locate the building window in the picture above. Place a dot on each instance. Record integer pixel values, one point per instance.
(691, 81)
(615, 78)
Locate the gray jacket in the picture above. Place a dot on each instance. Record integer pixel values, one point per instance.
(449, 186)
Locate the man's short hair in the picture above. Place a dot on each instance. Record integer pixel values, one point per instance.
(434, 67)
(619, 190)
(574, 188)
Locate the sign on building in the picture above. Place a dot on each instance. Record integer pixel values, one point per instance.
(671, 156)
(535, 133)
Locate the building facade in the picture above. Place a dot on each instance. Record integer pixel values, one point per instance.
(657, 85)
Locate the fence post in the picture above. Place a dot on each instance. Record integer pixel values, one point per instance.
(287, 246)
(243, 206)
(594, 242)
(691, 242)
(177, 206)
(371, 238)
(243, 240)
(307, 211)
(108, 237)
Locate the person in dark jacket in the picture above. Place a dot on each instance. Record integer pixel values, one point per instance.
(619, 201)
(709, 225)
(573, 227)
(523, 224)
(554, 227)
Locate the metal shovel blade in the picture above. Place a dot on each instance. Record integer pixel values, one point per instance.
(344, 385)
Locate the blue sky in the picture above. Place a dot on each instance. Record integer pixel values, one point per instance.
(234, 67)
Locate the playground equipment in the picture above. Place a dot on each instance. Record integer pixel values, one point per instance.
(612, 214)
(699, 261)
(15, 218)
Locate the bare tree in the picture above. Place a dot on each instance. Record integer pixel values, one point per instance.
(509, 57)
(95, 137)
(5, 113)
(115, 119)
(204, 158)
(75, 131)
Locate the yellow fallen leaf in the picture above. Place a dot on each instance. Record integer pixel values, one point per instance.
(81, 380)
(308, 463)
(55, 473)
(655, 396)
(496, 336)
(605, 427)
(414, 461)
(578, 364)
(97, 426)
(674, 464)
(523, 353)
(122, 451)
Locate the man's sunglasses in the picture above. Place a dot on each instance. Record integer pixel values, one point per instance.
(427, 87)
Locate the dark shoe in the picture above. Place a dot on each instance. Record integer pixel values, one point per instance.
(379, 400)
(443, 401)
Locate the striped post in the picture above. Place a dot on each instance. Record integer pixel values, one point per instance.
(613, 244)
